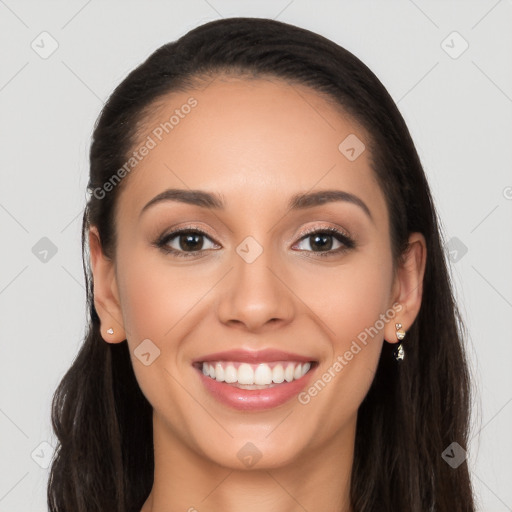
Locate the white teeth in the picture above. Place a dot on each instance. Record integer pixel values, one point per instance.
(278, 374)
(231, 374)
(245, 374)
(288, 373)
(263, 375)
(260, 374)
(219, 372)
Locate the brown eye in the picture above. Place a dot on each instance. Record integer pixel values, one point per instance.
(321, 242)
(327, 241)
(190, 242)
(186, 242)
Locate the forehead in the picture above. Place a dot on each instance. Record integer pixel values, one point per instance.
(249, 139)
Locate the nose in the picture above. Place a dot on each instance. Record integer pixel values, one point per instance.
(255, 296)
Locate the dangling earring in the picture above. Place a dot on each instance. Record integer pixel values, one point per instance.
(110, 331)
(399, 352)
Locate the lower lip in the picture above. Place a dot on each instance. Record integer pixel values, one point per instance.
(254, 399)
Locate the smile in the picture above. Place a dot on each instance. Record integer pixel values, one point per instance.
(255, 376)
(254, 380)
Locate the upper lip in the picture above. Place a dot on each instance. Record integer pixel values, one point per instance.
(253, 356)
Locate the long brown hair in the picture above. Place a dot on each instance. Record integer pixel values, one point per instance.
(412, 412)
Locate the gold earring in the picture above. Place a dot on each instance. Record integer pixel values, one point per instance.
(399, 352)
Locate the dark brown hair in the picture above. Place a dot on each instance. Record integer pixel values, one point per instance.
(412, 412)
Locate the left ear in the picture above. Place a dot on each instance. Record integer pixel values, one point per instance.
(408, 285)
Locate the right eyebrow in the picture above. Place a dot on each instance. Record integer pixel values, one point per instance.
(194, 197)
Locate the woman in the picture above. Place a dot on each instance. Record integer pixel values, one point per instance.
(272, 325)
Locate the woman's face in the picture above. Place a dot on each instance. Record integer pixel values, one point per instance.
(280, 257)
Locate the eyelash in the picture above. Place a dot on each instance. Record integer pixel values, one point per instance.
(162, 241)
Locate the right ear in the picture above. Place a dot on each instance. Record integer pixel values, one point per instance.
(106, 293)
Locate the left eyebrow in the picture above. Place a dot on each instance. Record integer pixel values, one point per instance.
(311, 199)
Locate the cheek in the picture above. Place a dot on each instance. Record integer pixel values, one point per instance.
(348, 299)
(352, 304)
(154, 297)
(155, 303)
(154, 300)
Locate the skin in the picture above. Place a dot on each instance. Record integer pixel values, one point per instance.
(256, 142)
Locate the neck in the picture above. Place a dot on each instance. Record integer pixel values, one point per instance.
(186, 481)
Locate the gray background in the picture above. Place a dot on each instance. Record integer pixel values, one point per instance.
(458, 107)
